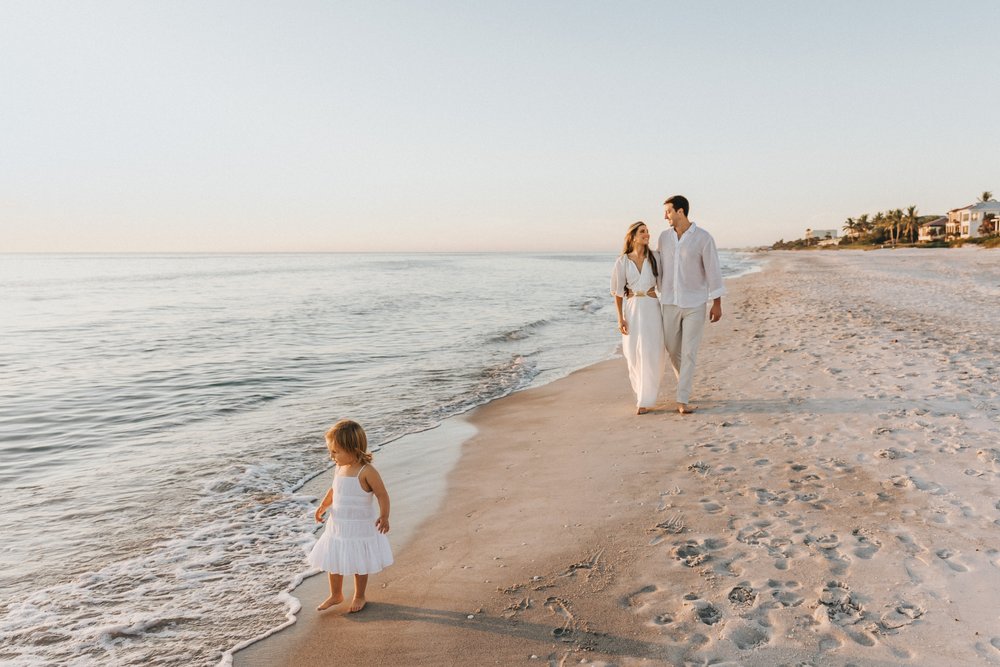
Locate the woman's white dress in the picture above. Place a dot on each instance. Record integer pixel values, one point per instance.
(350, 544)
(643, 346)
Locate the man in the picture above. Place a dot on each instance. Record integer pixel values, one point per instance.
(689, 278)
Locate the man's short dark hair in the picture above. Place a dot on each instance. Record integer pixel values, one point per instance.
(679, 202)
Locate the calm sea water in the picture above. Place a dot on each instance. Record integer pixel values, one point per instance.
(158, 414)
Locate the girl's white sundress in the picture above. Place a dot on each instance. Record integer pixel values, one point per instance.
(350, 544)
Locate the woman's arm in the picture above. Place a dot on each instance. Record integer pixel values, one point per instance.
(618, 289)
(622, 324)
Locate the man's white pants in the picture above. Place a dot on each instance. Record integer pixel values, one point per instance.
(682, 329)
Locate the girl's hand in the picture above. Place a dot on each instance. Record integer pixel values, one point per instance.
(320, 511)
(623, 326)
(382, 524)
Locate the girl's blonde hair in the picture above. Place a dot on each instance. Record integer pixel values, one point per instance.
(350, 437)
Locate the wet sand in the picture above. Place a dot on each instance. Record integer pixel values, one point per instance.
(834, 501)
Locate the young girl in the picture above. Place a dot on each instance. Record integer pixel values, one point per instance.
(633, 284)
(354, 540)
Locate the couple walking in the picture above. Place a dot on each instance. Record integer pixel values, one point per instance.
(661, 297)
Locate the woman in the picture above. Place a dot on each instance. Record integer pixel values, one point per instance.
(633, 284)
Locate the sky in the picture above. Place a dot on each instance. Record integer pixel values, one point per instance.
(514, 125)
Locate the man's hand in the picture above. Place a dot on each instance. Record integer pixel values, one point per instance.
(715, 314)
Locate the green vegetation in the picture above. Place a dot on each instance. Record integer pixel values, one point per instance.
(896, 227)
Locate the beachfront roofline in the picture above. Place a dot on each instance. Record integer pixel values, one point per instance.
(820, 233)
(968, 222)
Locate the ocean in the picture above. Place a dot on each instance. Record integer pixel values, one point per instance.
(159, 414)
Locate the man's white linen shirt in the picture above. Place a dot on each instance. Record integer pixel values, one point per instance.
(690, 274)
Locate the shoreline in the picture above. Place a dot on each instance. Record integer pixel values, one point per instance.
(832, 500)
(455, 430)
(438, 446)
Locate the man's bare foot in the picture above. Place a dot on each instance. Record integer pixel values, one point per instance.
(357, 604)
(329, 602)
(686, 408)
(641, 411)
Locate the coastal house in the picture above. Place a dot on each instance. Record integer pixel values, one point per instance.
(825, 236)
(933, 230)
(973, 221)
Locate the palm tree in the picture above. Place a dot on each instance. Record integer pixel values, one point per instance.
(864, 225)
(850, 227)
(890, 225)
(986, 196)
(878, 222)
(897, 223)
(911, 223)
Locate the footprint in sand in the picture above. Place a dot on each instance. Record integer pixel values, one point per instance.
(784, 592)
(828, 643)
(710, 506)
(768, 497)
(782, 550)
(910, 545)
(844, 610)
(914, 569)
(929, 486)
(900, 481)
(637, 599)
(839, 465)
(707, 613)
(968, 512)
(742, 595)
(949, 557)
(749, 636)
(902, 615)
(691, 554)
(891, 453)
(841, 606)
(814, 500)
(828, 547)
(699, 467)
(731, 566)
(867, 546)
(825, 542)
(754, 533)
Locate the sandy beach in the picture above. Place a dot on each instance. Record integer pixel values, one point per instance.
(835, 500)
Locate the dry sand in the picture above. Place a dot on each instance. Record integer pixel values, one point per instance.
(834, 502)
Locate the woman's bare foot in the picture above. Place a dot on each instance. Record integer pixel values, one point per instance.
(357, 604)
(329, 602)
(641, 411)
(686, 408)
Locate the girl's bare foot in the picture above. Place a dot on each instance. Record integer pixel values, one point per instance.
(357, 604)
(685, 408)
(641, 411)
(329, 602)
